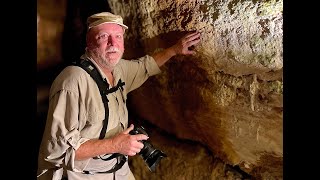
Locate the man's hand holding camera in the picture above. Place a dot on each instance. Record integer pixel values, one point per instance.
(127, 144)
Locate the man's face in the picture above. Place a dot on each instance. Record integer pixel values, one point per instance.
(106, 44)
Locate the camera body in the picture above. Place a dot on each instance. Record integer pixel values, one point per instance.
(149, 154)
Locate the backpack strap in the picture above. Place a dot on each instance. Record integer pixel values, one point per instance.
(103, 86)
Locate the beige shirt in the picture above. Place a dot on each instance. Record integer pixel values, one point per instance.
(76, 113)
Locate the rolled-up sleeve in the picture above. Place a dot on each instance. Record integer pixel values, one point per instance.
(63, 137)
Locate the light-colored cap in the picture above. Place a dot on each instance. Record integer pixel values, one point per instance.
(104, 17)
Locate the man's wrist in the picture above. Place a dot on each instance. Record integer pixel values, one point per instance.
(171, 51)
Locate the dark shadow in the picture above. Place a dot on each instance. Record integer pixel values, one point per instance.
(73, 38)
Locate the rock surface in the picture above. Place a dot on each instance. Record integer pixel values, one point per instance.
(229, 95)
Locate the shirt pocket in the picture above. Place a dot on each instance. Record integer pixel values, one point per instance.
(93, 123)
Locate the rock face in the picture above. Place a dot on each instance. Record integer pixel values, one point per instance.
(186, 160)
(229, 95)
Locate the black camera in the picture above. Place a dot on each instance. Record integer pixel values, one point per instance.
(149, 154)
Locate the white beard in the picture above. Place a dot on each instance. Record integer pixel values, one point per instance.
(104, 60)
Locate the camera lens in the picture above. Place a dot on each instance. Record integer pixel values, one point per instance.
(149, 154)
(153, 159)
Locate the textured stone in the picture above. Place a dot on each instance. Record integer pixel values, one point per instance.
(229, 95)
(185, 159)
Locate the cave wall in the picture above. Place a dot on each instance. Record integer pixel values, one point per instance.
(229, 95)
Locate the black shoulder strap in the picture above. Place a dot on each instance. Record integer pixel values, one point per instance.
(103, 88)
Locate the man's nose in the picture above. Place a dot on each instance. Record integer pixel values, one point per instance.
(110, 40)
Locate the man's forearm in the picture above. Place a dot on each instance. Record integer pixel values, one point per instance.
(163, 56)
(95, 147)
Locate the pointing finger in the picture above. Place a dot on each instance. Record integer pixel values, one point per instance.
(192, 36)
(140, 137)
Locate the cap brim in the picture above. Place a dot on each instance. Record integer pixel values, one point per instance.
(124, 26)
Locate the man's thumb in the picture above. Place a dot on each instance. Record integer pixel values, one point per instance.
(129, 129)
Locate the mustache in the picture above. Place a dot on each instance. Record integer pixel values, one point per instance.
(112, 49)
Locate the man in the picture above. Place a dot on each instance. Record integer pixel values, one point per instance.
(71, 147)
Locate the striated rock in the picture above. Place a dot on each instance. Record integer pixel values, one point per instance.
(229, 95)
(186, 160)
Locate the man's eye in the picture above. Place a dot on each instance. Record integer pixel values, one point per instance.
(102, 36)
(119, 36)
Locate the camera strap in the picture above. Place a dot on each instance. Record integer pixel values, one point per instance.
(103, 86)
